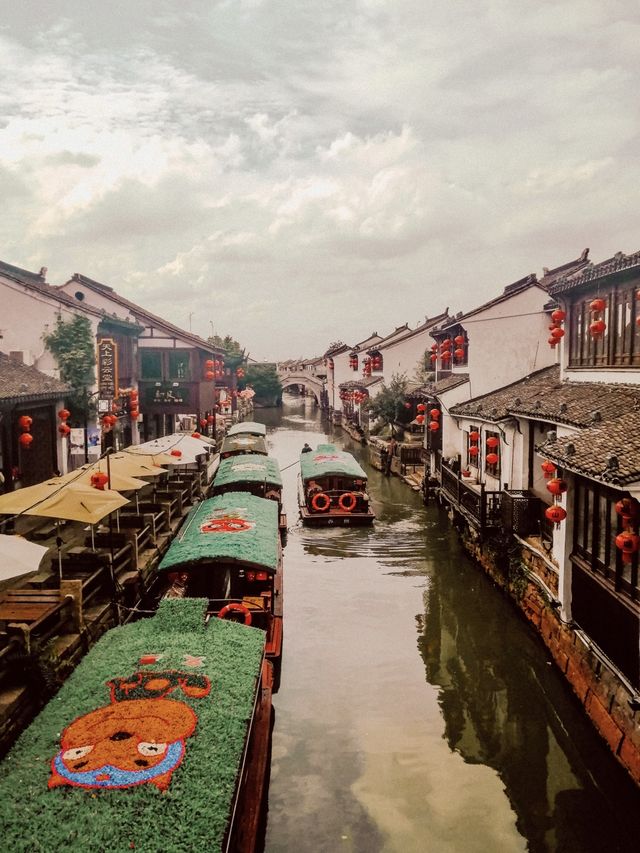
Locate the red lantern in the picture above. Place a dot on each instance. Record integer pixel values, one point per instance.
(434, 426)
(203, 422)
(557, 486)
(25, 440)
(209, 375)
(446, 344)
(557, 334)
(446, 355)
(434, 347)
(25, 422)
(597, 328)
(99, 480)
(552, 342)
(112, 420)
(474, 436)
(597, 305)
(493, 441)
(177, 453)
(64, 429)
(211, 419)
(556, 513)
(459, 354)
(558, 315)
(628, 509)
(64, 414)
(210, 363)
(459, 339)
(434, 413)
(628, 543)
(433, 357)
(133, 395)
(135, 414)
(195, 435)
(492, 458)
(473, 450)
(419, 419)
(548, 468)
(421, 407)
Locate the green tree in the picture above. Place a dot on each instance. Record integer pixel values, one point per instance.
(424, 372)
(388, 407)
(234, 354)
(263, 378)
(74, 346)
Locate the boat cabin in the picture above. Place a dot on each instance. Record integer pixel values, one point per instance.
(258, 475)
(236, 445)
(228, 551)
(139, 713)
(332, 488)
(248, 428)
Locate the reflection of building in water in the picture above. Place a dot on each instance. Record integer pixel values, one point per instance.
(505, 708)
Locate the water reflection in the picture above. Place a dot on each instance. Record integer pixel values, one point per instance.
(487, 753)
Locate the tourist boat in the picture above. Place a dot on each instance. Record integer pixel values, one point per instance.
(236, 445)
(332, 488)
(248, 428)
(159, 740)
(258, 475)
(229, 551)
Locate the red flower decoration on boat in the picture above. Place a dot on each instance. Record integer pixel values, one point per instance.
(326, 457)
(226, 524)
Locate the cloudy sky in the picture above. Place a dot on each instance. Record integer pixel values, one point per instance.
(292, 172)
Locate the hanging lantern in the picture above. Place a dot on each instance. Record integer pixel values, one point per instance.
(459, 339)
(240, 372)
(25, 440)
(557, 486)
(492, 458)
(211, 419)
(64, 429)
(433, 357)
(419, 419)
(434, 347)
(459, 354)
(434, 413)
(64, 414)
(552, 342)
(597, 328)
(177, 453)
(628, 543)
(421, 407)
(628, 509)
(557, 333)
(558, 315)
(134, 414)
(195, 435)
(446, 355)
(474, 436)
(25, 422)
(446, 344)
(210, 375)
(548, 468)
(99, 480)
(203, 422)
(434, 426)
(556, 513)
(133, 394)
(210, 364)
(474, 450)
(493, 441)
(597, 305)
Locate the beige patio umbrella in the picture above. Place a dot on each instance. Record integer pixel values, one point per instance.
(19, 558)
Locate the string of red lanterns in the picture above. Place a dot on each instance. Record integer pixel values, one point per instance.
(598, 326)
(557, 487)
(25, 439)
(627, 541)
(557, 332)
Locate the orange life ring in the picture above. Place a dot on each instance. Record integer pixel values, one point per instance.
(347, 501)
(237, 608)
(321, 502)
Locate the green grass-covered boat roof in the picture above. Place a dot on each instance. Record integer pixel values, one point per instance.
(248, 469)
(243, 444)
(235, 527)
(326, 461)
(138, 685)
(251, 427)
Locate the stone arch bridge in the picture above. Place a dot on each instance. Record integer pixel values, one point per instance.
(302, 380)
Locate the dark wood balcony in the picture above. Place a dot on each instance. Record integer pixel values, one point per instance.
(480, 507)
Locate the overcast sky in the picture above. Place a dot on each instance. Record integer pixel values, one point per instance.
(292, 172)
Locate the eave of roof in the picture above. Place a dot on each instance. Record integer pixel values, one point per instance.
(22, 383)
(618, 264)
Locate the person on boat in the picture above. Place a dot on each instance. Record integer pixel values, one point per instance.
(313, 487)
(307, 448)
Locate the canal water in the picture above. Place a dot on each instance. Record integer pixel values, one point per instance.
(418, 711)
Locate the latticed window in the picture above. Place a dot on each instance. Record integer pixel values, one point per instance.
(619, 346)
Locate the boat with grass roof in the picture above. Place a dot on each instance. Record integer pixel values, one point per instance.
(332, 488)
(229, 552)
(159, 740)
(258, 475)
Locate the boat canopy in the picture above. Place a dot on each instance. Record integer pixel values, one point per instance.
(248, 469)
(327, 461)
(235, 527)
(244, 443)
(250, 427)
(155, 675)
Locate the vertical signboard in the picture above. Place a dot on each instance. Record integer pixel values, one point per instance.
(107, 368)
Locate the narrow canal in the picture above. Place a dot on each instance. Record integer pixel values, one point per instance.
(418, 711)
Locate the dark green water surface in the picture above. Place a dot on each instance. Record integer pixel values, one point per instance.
(418, 711)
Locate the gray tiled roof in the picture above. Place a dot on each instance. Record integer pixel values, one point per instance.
(18, 381)
(608, 451)
(593, 272)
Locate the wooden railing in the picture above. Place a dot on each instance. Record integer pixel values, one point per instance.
(482, 507)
